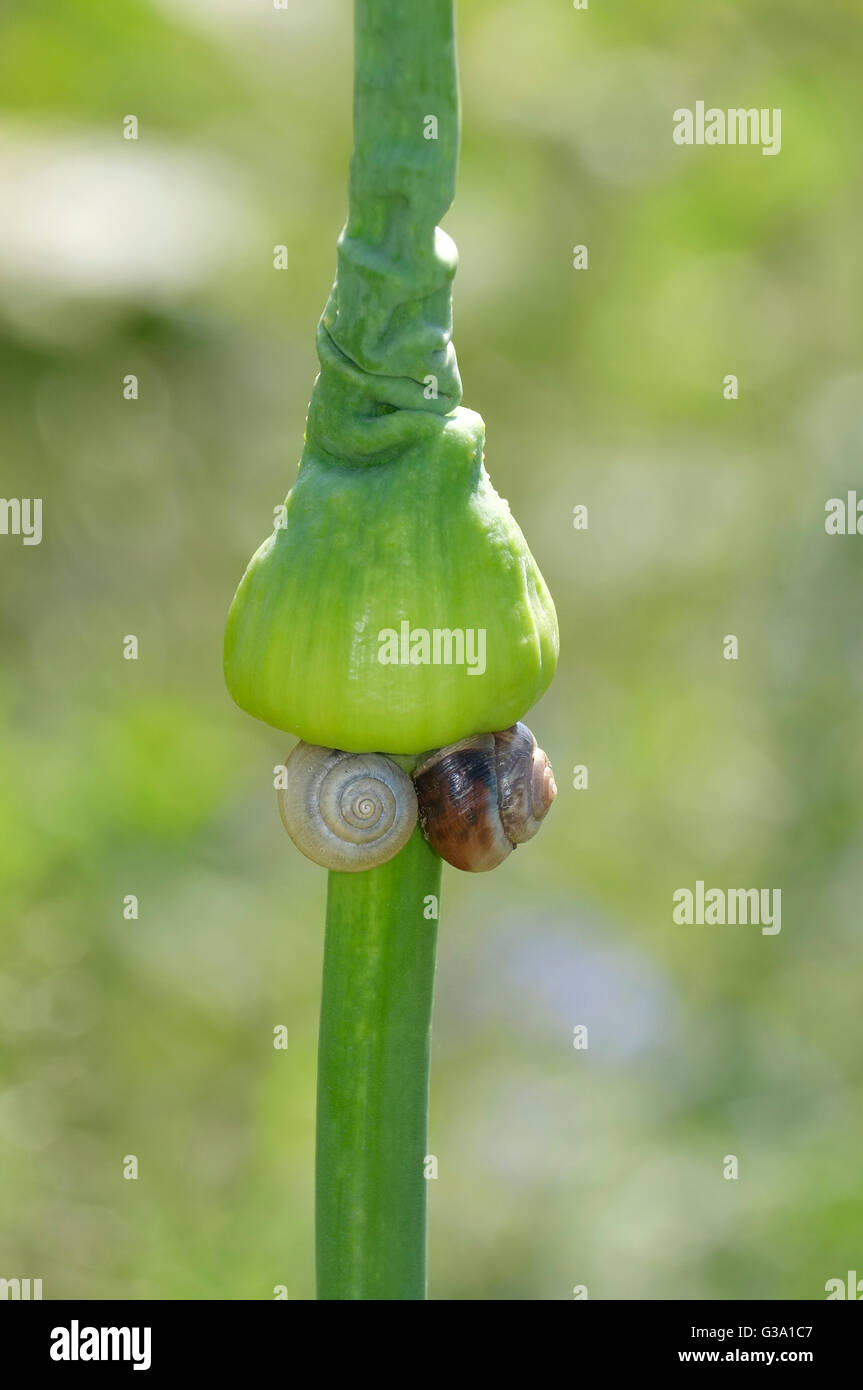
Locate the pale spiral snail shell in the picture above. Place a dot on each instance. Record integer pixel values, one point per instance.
(346, 811)
(484, 795)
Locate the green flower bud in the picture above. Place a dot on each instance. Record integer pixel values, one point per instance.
(415, 560)
(400, 608)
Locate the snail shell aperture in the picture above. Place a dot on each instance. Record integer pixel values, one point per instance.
(484, 795)
(346, 811)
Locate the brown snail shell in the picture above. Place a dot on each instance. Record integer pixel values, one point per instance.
(484, 795)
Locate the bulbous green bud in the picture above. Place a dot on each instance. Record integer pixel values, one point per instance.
(400, 608)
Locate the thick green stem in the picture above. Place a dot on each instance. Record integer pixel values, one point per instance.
(373, 1078)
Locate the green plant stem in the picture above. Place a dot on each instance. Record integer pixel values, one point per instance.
(386, 328)
(373, 1078)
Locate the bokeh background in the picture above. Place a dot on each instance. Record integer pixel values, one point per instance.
(154, 1037)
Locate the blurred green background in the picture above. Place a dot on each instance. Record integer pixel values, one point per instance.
(154, 1037)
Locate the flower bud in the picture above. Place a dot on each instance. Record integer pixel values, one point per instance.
(400, 608)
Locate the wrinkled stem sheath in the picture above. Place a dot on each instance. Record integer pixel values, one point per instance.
(373, 1078)
(387, 326)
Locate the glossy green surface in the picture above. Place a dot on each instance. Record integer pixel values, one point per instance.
(373, 1078)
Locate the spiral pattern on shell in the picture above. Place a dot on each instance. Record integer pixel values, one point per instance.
(484, 795)
(526, 785)
(346, 811)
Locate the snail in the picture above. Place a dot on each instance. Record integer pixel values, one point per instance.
(475, 800)
(484, 795)
(346, 811)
